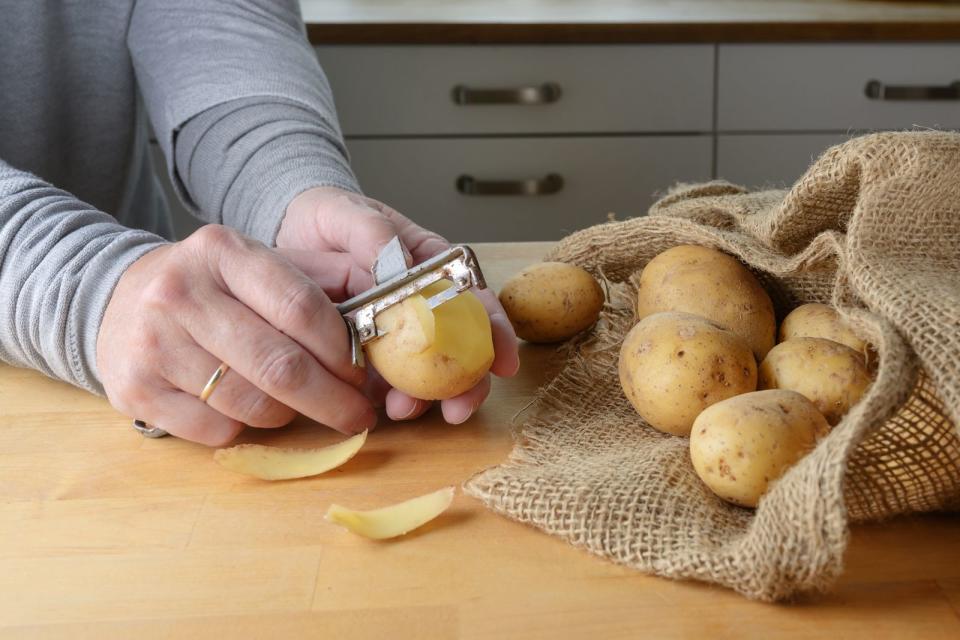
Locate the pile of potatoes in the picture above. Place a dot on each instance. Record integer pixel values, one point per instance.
(690, 368)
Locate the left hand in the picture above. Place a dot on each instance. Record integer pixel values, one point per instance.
(334, 237)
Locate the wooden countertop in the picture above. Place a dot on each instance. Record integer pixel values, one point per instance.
(104, 534)
(626, 21)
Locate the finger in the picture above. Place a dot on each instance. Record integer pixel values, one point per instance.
(182, 415)
(458, 410)
(400, 406)
(355, 225)
(277, 365)
(337, 273)
(421, 243)
(376, 388)
(189, 368)
(506, 353)
(272, 287)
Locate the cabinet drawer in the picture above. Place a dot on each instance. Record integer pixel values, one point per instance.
(425, 179)
(824, 87)
(415, 90)
(768, 160)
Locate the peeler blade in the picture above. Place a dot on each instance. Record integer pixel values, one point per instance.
(390, 263)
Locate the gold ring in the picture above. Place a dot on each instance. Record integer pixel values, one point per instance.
(214, 381)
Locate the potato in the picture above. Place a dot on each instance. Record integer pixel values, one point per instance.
(675, 365)
(816, 320)
(394, 520)
(743, 444)
(709, 283)
(551, 301)
(433, 354)
(829, 374)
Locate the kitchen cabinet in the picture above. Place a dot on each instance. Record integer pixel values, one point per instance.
(553, 185)
(523, 143)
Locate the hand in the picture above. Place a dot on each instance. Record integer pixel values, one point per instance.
(182, 309)
(334, 236)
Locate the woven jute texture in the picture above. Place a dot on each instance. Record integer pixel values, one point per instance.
(873, 228)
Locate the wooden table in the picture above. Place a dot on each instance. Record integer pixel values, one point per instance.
(105, 534)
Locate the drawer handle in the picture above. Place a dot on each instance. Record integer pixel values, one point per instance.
(544, 94)
(876, 90)
(470, 186)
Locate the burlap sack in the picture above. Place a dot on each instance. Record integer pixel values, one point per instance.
(873, 228)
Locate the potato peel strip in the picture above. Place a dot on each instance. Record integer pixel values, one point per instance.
(394, 520)
(277, 463)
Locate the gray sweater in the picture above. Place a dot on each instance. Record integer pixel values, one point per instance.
(239, 106)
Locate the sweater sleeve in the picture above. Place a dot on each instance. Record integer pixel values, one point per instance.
(60, 260)
(240, 106)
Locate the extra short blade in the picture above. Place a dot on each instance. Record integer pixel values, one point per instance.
(447, 294)
(390, 262)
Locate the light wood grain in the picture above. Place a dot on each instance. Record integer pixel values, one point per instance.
(600, 21)
(152, 539)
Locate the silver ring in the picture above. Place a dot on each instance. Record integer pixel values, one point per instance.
(147, 431)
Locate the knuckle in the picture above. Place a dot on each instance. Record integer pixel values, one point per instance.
(299, 305)
(285, 370)
(212, 238)
(167, 291)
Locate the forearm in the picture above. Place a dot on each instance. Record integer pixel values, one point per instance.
(241, 108)
(241, 163)
(59, 262)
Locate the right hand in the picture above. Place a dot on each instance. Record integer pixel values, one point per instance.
(181, 310)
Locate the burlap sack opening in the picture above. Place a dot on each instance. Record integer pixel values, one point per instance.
(873, 228)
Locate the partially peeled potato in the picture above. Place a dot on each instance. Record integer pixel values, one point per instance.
(433, 354)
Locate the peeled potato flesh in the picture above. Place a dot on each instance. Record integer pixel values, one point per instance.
(276, 463)
(433, 354)
(394, 520)
(551, 301)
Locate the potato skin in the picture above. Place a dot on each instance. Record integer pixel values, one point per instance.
(433, 354)
(674, 365)
(741, 445)
(711, 284)
(551, 301)
(829, 374)
(816, 320)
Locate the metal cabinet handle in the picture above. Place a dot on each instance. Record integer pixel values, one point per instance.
(546, 93)
(470, 186)
(876, 90)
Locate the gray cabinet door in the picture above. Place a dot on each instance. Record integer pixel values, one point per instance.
(768, 160)
(429, 180)
(823, 87)
(414, 90)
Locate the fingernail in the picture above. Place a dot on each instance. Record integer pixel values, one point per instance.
(371, 422)
(464, 418)
(413, 409)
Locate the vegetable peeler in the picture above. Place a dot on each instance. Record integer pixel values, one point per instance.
(394, 284)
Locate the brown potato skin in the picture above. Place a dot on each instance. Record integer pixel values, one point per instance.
(831, 375)
(740, 446)
(711, 284)
(551, 301)
(674, 365)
